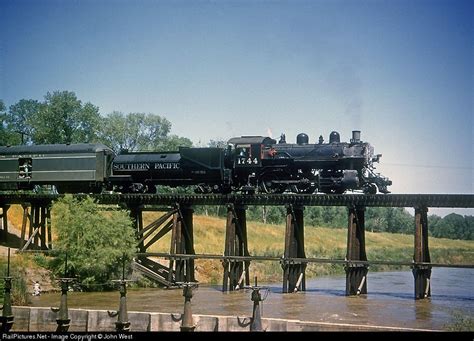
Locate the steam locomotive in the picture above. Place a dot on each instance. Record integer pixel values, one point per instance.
(247, 164)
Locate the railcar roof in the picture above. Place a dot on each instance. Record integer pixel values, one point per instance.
(54, 148)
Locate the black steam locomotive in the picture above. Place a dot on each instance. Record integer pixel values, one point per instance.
(248, 164)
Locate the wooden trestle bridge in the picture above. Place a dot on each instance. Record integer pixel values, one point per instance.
(178, 219)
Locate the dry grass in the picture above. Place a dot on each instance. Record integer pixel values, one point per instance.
(268, 240)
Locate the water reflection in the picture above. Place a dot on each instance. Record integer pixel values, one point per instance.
(389, 302)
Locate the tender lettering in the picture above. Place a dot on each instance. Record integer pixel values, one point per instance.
(167, 165)
(132, 166)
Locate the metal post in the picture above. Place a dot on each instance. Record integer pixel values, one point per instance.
(7, 317)
(356, 274)
(236, 272)
(421, 273)
(122, 324)
(187, 323)
(294, 272)
(63, 319)
(256, 324)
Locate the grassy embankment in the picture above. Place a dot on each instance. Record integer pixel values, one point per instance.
(268, 240)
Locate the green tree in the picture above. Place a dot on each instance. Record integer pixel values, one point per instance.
(313, 216)
(217, 144)
(470, 227)
(173, 142)
(375, 219)
(454, 226)
(397, 220)
(3, 131)
(404, 220)
(433, 220)
(63, 118)
(333, 216)
(7, 136)
(95, 241)
(139, 131)
(21, 117)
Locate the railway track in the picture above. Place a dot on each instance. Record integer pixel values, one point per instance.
(377, 200)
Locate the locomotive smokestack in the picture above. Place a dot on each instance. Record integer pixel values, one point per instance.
(355, 136)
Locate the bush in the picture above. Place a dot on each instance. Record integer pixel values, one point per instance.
(95, 242)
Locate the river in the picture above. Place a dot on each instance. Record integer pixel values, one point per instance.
(389, 302)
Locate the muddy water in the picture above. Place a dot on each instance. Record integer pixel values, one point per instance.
(389, 301)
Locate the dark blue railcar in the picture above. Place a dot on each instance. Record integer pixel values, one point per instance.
(71, 168)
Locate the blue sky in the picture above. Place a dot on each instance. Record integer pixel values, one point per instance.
(399, 71)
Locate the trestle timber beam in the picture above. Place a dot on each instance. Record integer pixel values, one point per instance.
(421, 273)
(38, 218)
(182, 242)
(356, 274)
(136, 214)
(294, 272)
(148, 236)
(4, 223)
(236, 272)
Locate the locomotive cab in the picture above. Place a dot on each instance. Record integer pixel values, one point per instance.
(246, 154)
(248, 151)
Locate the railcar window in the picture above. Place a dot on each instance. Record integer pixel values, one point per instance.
(25, 168)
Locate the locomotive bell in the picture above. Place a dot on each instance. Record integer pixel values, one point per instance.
(334, 137)
(302, 139)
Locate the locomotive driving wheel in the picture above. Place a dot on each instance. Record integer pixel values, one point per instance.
(369, 189)
(303, 188)
(268, 183)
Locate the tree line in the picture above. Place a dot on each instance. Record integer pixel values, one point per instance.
(62, 118)
(377, 219)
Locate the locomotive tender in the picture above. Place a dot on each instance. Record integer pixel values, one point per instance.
(248, 164)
